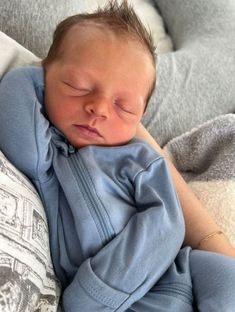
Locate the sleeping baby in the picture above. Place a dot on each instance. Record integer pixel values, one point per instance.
(115, 223)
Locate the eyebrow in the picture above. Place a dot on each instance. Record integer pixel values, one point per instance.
(77, 74)
(76, 82)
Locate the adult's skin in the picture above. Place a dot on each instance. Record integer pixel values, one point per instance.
(198, 222)
(193, 87)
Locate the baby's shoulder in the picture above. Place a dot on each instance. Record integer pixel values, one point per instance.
(27, 74)
(131, 158)
(143, 150)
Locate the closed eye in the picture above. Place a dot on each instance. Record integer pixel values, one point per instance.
(123, 108)
(77, 90)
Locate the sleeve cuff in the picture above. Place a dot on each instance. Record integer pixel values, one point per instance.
(89, 293)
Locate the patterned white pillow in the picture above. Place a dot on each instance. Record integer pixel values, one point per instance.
(27, 279)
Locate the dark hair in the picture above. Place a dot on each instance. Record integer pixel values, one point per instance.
(119, 18)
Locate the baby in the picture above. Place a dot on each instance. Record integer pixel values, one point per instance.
(116, 227)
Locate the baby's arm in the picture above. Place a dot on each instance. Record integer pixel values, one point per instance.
(24, 134)
(198, 222)
(128, 266)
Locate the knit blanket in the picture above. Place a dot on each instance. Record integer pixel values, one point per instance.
(205, 156)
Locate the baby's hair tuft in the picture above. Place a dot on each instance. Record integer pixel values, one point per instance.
(117, 17)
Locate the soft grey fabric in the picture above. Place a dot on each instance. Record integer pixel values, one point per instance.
(196, 82)
(32, 23)
(206, 158)
(207, 152)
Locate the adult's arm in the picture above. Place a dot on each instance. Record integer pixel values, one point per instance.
(198, 222)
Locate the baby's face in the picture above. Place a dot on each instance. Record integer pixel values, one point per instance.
(96, 92)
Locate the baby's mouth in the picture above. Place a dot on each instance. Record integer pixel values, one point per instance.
(87, 130)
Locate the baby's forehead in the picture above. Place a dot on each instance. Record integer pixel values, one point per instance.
(98, 29)
(83, 34)
(103, 26)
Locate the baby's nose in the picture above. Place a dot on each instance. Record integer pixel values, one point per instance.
(99, 107)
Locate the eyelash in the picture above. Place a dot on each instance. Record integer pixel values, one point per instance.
(122, 108)
(86, 91)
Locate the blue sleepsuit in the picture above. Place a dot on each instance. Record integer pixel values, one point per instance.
(116, 227)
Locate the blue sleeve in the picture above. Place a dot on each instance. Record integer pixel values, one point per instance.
(24, 131)
(128, 266)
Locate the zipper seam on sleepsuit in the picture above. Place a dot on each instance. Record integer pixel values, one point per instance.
(93, 202)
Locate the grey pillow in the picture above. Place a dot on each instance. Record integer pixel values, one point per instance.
(196, 82)
(31, 23)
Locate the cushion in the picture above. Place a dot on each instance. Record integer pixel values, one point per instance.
(195, 82)
(12, 54)
(31, 23)
(26, 274)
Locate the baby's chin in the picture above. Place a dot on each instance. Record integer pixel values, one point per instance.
(79, 145)
(82, 144)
